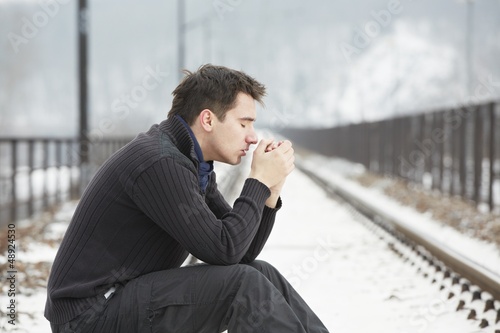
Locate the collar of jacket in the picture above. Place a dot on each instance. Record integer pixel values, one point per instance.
(184, 138)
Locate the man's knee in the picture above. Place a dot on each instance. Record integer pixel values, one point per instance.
(263, 266)
(240, 271)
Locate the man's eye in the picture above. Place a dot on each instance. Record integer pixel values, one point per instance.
(242, 125)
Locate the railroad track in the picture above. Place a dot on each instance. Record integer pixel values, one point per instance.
(471, 288)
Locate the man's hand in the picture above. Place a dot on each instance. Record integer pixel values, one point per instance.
(272, 163)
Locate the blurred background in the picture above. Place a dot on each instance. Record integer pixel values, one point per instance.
(324, 62)
(77, 73)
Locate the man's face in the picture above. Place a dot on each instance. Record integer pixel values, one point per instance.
(232, 138)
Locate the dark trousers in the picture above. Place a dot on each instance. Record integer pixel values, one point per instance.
(201, 298)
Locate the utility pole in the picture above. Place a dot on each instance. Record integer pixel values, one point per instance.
(208, 38)
(83, 92)
(183, 27)
(181, 42)
(468, 45)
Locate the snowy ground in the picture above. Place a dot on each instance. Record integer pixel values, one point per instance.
(347, 274)
(35, 250)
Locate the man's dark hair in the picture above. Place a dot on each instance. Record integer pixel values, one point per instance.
(214, 88)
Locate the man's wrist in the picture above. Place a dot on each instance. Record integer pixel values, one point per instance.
(275, 204)
(259, 179)
(272, 201)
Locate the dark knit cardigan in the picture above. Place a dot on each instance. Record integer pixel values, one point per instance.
(144, 212)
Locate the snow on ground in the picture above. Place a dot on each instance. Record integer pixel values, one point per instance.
(347, 274)
(34, 254)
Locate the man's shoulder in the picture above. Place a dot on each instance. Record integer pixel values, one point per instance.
(152, 146)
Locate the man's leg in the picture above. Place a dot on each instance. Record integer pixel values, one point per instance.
(206, 298)
(304, 313)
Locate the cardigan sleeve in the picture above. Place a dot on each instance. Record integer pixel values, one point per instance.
(265, 228)
(168, 193)
(215, 200)
(218, 204)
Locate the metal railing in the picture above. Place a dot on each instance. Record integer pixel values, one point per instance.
(36, 174)
(455, 151)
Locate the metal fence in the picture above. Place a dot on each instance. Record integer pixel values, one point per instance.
(39, 173)
(456, 151)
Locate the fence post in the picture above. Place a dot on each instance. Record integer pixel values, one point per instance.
(397, 150)
(491, 110)
(463, 157)
(381, 146)
(418, 145)
(422, 132)
(371, 140)
(455, 157)
(478, 154)
(406, 137)
(58, 164)
(397, 169)
(345, 140)
(13, 207)
(441, 127)
(31, 166)
(429, 166)
(435, 152)
(45, 149)
(389, 147)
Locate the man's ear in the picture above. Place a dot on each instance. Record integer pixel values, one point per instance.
(206, 119)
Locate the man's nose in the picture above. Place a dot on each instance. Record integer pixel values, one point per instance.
(252, 138)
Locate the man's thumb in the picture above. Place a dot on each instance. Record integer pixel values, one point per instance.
(261, 147)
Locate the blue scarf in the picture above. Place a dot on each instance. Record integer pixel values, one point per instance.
(204, 168)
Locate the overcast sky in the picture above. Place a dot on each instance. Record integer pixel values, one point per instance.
(324, 62)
